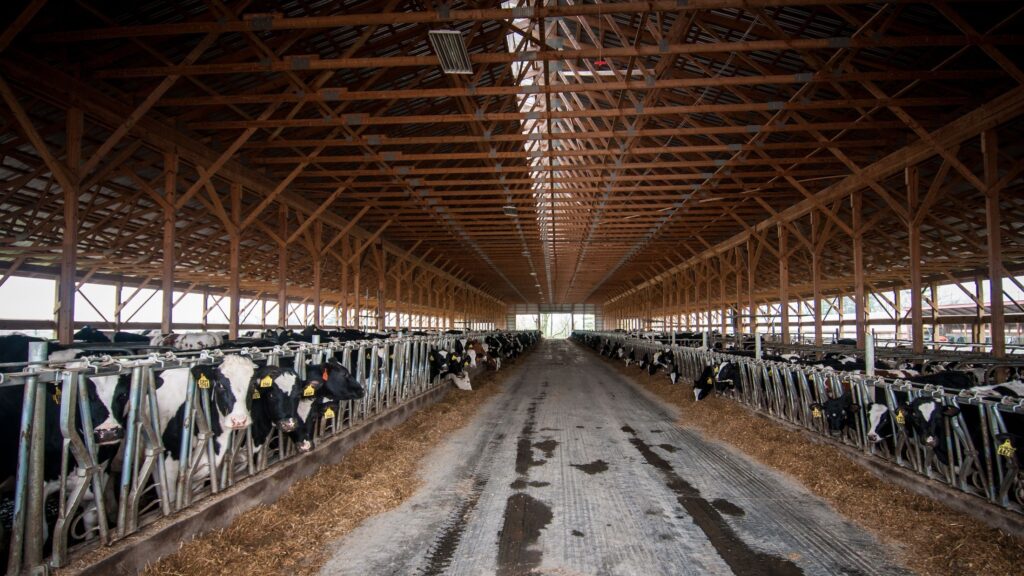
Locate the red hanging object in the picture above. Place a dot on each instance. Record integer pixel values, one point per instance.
(600, 63)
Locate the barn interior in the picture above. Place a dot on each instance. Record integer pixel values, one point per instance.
(804, 173)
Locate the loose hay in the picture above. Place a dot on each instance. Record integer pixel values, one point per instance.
(291, 535)
(931, 538)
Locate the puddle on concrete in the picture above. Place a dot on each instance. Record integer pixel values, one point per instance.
(525, 517)
(668, 448)
(595, 467)
(737, 554)
(547, 447)
(726, 507)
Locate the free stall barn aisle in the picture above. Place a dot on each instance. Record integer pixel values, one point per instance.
(573, 470)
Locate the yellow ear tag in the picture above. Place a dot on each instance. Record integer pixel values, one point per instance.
(901, 419)
(709, 380)
(56, 395)
(256, 394)
(309, 391)
(328, 414)
(266, 382)
(1006, 449)
(203, 381)
(815, 413)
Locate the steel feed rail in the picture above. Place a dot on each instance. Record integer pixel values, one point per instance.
(978, 464)
(397, 371)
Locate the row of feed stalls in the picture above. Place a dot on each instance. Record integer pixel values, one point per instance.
(52, 513)
(973, 445)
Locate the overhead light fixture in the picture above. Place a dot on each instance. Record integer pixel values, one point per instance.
(451, 51)
(509, 210)
(533, 273)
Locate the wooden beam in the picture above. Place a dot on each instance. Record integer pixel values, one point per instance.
(990, 152)
(169, 222)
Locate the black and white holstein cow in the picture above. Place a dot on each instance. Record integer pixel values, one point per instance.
(107, 405)
(189, 341)
(319, 399)
(223, 391)
(449, 366)
(719, 377)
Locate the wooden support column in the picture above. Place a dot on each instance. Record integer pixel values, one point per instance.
(167, 268)
(235, 256)
(784, 281)
(382, 284)
(118, 288)
(356, 305)
(977, 331)
(859, 296)
(751, 273)
(816, 275)
(317, 272)
(997, 325)
(346, 253)
(914, 232)
(282, 266)
(69, 249)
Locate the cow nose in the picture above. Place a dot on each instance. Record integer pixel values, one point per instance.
(873, 437)
(239, 422)
(109, 435)
(287, 425)
(930, 440)
(305, 446)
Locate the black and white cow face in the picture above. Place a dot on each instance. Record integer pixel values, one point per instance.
(229, 385)
(276, 388)
(837, 412)
(108, 404)
(339, 383)
(926, 417)
(879, 423)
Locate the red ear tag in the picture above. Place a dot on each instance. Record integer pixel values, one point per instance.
(325, 375)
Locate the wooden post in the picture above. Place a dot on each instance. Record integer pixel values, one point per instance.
(69, 248)
(816, 275)
(997, 326)
(234, 280)
(784, 281)
(977, 331)
(317, 273)
(859, 296)
(346, 251)
(167, 273)
(282, 266)
(118, 288)
(914, 231)
(382, 284)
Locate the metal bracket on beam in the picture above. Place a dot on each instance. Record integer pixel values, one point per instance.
(844, 42)
(533, 115)
(443, 12)
(471, 89)
(639, 107)
(753, 128)
(487, 134)
(353, 119)
(522, 12)
(531, 89)
(776, 105)
(804, 76)
(300, 63)
(389, 156)
(663, 45)
(402, 170)
(479, 114)
(373, 139)
(493, 152)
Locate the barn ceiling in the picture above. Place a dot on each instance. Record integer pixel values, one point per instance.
(593, 145)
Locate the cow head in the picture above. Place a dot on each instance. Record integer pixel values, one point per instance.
(229, 385)
(836, 411)
(108, 404)
(335, 381)
(926, 416)
(704, 384)
(276, 388)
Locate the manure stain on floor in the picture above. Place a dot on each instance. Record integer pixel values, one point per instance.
(726, 507)
(525, 517)
(595, 467)
(668, 448)
(737, 554)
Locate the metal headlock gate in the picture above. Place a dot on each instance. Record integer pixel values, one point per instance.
(979, 460)
(392, 372)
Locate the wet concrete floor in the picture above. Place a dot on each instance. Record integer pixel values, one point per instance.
(573, 470)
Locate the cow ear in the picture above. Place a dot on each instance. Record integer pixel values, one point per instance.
(951, 411)
(204, 375)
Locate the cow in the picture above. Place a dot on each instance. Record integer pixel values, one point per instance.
(927, 417)
(325, 387)
(228, 388)
(947, 379)
(189, 341)
(837, 412)
(107, 401)
(275, 396)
